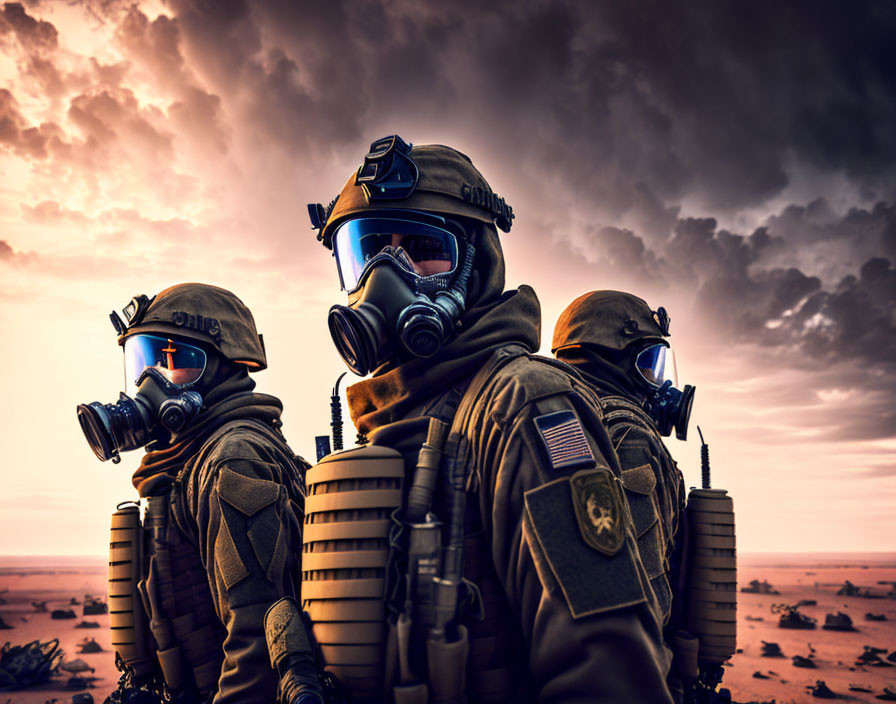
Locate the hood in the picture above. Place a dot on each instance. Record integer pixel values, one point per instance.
(494, 320)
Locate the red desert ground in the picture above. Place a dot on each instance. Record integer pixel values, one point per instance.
(26, 583)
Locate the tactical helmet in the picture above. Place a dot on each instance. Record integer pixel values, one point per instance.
(396, 175)
(200, 312)
(609, 319)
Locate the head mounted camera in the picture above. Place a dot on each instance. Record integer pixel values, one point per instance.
(388, 172)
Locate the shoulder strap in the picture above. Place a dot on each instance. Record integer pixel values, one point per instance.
(456, 454)
(620, 408)
(456, 447)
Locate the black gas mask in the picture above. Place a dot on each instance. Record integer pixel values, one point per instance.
(668, 407)
(406, 273)
(162, 377)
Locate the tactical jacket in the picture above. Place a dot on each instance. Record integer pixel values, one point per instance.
(569, 616)
(655, 489)
(226, 540)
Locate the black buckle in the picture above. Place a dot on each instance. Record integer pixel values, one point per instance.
(388, 172)
(136, 308)
(662, 319)
(133, 313)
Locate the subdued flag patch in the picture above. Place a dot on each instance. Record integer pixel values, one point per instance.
(564, 439)
(598, 507)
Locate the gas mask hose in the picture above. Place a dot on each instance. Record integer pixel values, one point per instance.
(424, 326)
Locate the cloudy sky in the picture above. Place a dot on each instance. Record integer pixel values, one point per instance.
(734, 162)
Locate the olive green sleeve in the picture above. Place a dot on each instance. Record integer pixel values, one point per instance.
(589, 618)
(247, 509)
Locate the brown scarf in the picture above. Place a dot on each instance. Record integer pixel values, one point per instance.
(514, 317)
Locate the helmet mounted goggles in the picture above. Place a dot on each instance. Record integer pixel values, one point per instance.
(422, 244)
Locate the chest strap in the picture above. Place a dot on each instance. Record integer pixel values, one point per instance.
(446, 643)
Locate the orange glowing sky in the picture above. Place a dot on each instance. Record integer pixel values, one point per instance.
(147, 144)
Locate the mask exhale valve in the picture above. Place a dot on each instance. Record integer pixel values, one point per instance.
(387, 310)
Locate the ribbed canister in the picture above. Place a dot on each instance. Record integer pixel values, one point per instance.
(712, 592)
(351, 496)
(127, 620)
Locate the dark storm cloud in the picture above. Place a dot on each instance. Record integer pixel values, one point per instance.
(740, 290)
(33, 34)
(615, 99)
(797, 319)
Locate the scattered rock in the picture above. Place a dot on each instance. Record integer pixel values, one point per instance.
(757, 587)
(859, 688)
(807, 602)
(39, 606)
(771, 650)
(875, 617)
(89, 645)
(62, 614)
(88, 624)
(790, 617)
(76, 666)
(821, 691)
(868, 656)
(838, 622)
(83, 698)
(889, 695)
(759, 676)
(755, 618)
(94, 606)
(4, 625)
(848, 589)
(892, 656)
(800, 661)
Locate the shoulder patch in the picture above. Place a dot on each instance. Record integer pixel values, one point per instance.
(247, 494)
(591, 581)
(599, 510)
(641, 479)
(564, 440)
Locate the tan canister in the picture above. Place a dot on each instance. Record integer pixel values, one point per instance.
(127, 617)
(351, 498)
(712, 583)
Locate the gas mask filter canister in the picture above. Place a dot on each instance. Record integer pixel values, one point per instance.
(158, 407)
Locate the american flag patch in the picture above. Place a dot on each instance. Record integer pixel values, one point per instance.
(565, 441)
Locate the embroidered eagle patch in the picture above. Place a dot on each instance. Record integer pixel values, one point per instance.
(564, 439)
(598, 507)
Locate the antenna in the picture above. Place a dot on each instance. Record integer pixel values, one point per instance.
(336, 414)
(704, 460)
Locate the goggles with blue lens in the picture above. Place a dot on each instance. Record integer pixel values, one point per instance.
(657, 365)
(179, 362)
(423, 244)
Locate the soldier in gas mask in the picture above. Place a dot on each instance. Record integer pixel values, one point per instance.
(222, 526)
(506, 569)
(619, 345)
